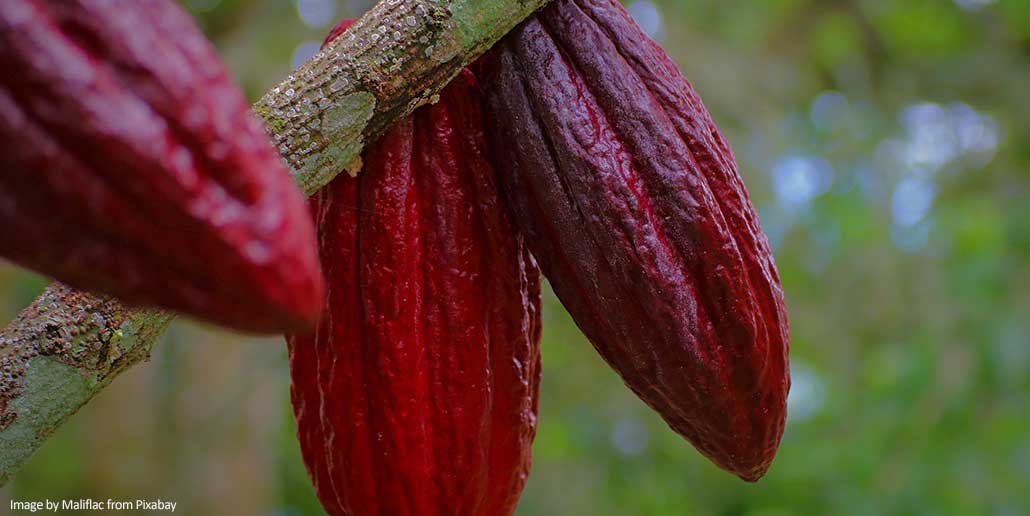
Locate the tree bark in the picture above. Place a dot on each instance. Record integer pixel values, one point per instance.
(68, 345)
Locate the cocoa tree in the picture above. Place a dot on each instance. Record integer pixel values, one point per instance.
(69, 345)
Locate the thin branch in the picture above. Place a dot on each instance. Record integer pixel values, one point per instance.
(68, 345)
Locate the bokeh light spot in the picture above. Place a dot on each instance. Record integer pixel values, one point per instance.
(648, 17)
(303, 52)
(316, 13)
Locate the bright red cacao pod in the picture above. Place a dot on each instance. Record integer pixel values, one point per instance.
(131, 165)
(417, 393)
(631, 200)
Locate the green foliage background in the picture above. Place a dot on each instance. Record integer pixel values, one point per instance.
(885, 144)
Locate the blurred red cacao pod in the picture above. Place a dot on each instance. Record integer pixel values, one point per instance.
(631, 200)
(131, 165)
(417, 393)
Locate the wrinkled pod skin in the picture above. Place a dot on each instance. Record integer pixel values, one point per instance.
(131, 165)
(417, 393)
(631, 201)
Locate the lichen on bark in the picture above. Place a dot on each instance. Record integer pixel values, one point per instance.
(353, 89)
(57, 354)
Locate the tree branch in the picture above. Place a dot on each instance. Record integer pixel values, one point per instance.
(68, 345)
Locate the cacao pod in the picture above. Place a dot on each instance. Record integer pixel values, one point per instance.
(417, 392)
(132, 166)
(631, 201)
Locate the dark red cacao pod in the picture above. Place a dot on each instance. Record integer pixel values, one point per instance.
(417, 393)
(131, 165)
(631, 200)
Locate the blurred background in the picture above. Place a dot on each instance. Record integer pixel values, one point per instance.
(885, 145)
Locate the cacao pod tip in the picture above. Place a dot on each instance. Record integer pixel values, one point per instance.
(265, 317)
(753, 475)
(295, 308)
